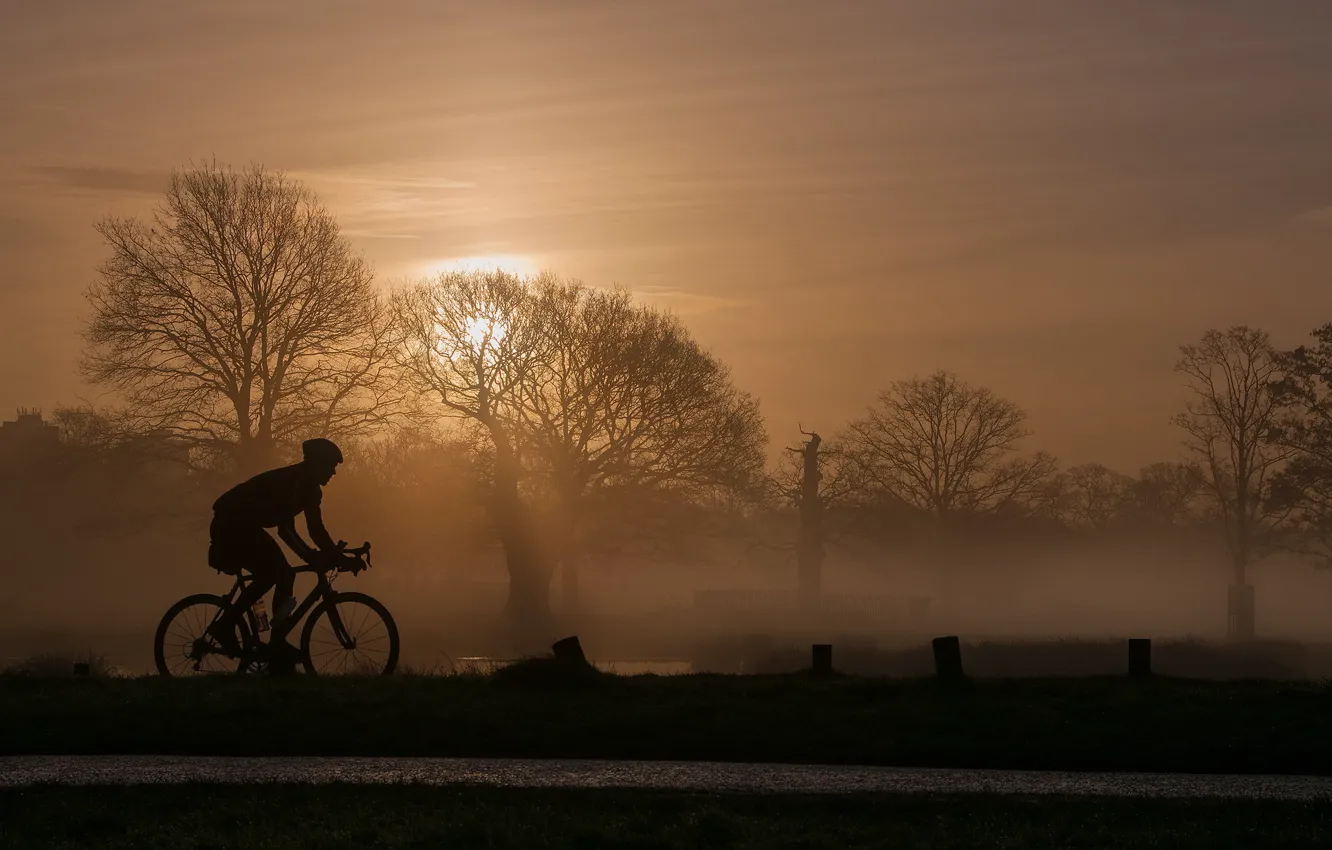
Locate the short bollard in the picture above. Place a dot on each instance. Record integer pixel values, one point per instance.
(948, 658)
(82, 668)
(569, 651)
(822, 659)
(1140, 657)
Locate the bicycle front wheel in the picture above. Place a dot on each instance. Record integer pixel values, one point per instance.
(350, 634)
(182, 645)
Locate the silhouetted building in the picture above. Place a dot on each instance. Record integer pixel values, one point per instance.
(29, 442)
(27, 438)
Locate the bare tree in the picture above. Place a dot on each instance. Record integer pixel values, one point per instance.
(946, 448)
(601, 414)
(471, 340)
(810, 550)
(1304, 485)
(1229, 422)
(239, 318)
(633, 423)
(1165, 493)
(413, 458)
(1090, 495)
(840, 479)
(85, 429)
(821, 481)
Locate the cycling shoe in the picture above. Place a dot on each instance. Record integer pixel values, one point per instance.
(224, 633)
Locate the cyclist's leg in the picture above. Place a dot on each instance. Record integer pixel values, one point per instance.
(284, 585)
(254, 551)
(271, 568)
(237, 549)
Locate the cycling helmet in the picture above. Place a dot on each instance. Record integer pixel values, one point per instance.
(320, 450)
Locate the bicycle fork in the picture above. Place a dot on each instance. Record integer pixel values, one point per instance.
(339, 628)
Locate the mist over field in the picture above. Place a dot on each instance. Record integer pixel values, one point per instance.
(79, 580)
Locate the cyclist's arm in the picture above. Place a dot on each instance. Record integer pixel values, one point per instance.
(287, 531)
(314, 523)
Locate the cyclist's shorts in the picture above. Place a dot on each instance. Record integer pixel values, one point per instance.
(221, 563)
(233, 548)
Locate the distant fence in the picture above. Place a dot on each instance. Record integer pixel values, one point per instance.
(950, 656)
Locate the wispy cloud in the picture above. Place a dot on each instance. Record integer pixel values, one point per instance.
(371, 234)
(373, 181)
(392, 201)
(686, 303)
(106, 179)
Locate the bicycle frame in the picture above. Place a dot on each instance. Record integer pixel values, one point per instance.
(322, 591)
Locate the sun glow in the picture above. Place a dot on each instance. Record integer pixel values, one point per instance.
(469, 338)
(484, 332)
(520, 265)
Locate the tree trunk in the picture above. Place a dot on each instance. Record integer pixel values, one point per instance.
(530, 572)
(809, 555)
(1241, 552)
(1241, 615)
(528, 605)
(564, 532)
(529, 564)
(1240, 622)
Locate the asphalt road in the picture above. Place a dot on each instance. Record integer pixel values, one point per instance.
(704, 776)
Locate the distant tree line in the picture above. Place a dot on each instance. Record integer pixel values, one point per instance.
(239, 320)
(1257, 434)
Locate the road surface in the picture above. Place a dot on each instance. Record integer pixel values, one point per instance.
(703, 776)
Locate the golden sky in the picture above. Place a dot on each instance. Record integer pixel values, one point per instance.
(1047, 197)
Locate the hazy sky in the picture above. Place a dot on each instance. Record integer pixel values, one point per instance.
(1047, 197)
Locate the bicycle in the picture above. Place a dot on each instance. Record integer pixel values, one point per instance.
(360, 626)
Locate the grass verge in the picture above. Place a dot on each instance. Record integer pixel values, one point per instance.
(1059, 724)
(364, 817)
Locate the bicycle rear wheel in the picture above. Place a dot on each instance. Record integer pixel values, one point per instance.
(182, 646)
(350, 634)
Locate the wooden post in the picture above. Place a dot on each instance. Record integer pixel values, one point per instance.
(82, 668)
(948, 658)
(569, 651)
(1140, 657)
(822, 659)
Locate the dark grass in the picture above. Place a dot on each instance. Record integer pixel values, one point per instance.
(54, 664)
(1062, 724)
(773, 654)
(365, 817)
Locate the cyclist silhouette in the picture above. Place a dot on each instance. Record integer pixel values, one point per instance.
(239, 539)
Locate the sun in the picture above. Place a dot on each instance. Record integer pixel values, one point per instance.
(520, 265)
(484, 331)
(475, 338)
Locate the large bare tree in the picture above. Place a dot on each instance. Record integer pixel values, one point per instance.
(238, 317)
(1304, 485)
(592, 404)
(471, 341)
(946, 447)
(1229, 421)
(633, 422)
